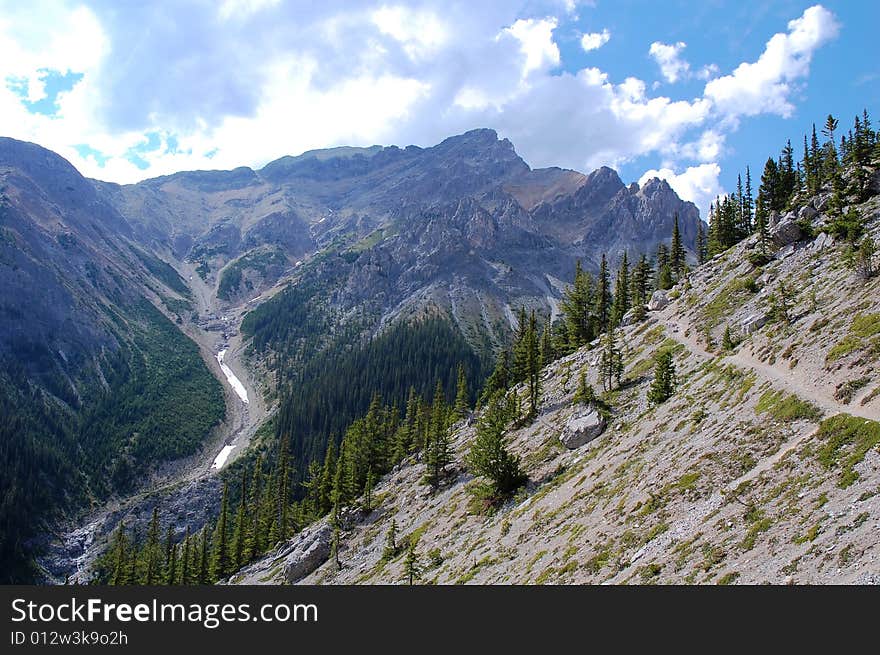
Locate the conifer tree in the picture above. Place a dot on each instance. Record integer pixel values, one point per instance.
(150, 555)
(439, 450)
(621, 291)
(677, 255)
(185, 556)
(462, 405)
(577, 308)
(499, 380)
(368, 491)
(533, 365)
(520, 368)
(702, 245)
(204, 570)
(120, 549)
(727, 342)
(603, 296)
(390, 541)
(864, 259)
(664, 382)
(220, 560)
(170, 571)
(611, 361)
(548, 353)
(239, 534)
(411, 567)
(489, 456)
(748, 203)
(585, 393)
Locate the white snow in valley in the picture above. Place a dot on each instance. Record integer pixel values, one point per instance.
(234, 382)
(222, 456)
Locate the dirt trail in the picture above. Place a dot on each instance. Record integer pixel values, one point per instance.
(788, 379)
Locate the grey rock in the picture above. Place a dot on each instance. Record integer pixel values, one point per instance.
(628, 318)
(807, 213)
(821, 201)
(786, 231)
(753, 323)
(822, 241)
(582, 428)
(658, 300)
(306, 551)
(874, 183)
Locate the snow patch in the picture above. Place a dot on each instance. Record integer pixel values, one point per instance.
(234, 382)
(222, 456)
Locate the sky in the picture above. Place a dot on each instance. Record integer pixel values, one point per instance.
(689, 91)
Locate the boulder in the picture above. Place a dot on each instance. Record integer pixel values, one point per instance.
(786, 231)
(822, 241)
(821, 202)
(753, 323)
(807, 213)
(874, 183)
(582, 428)
(307, 551)
(629, 318)
(658, 301)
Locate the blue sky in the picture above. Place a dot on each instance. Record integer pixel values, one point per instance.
(692, 92)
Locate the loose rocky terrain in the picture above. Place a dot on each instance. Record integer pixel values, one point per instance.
(763, 467)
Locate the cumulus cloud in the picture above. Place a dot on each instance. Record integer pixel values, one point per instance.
(765, 86)
(595, 40)
(201, 92)
(699, 184)
(668, 57)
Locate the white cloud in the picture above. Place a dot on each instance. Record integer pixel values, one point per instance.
(699, 184)
(668, 57)
(536, 43)
(328, 74)
(595, 40)
(420, 32)
(765, 85)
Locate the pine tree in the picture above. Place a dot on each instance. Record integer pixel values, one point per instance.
(611, 362)
(170, 569)
(390, 541)
(150, 555)
(577, 308)
(239, 534)
(603, 296)
(585, 394)
(664, 382)
(864, 259)
(548, 353)
(368, 491)
(621, 291)
(727, 342)
(748, 203)
(462, 405)
(411, 567)
(439, 450)
(499, 380)
(533, 366)
(120, 549)
(702, 245)
(489, 456)
(204, 571)
(677, 255)
(185, 559)
(220, 560)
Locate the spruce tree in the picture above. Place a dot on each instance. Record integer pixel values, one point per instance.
(204, 570)
(170, 569)
(220, 560)
(185, 556)
(621, 291)
(603, 296)
(577, 309)
(548, 353)
(533, 366)
(702, 245)
(585, 394)
(439, 450)
(489, 456)
(611, 361)
(499, 380)
(727, 342)
(462, 405)
(120, 549)
(411, 567)
(390, 541)
(677, 255)
(664, 382)
(150, 555)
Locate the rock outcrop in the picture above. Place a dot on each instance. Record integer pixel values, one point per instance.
(658, 300)
(786, 231)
